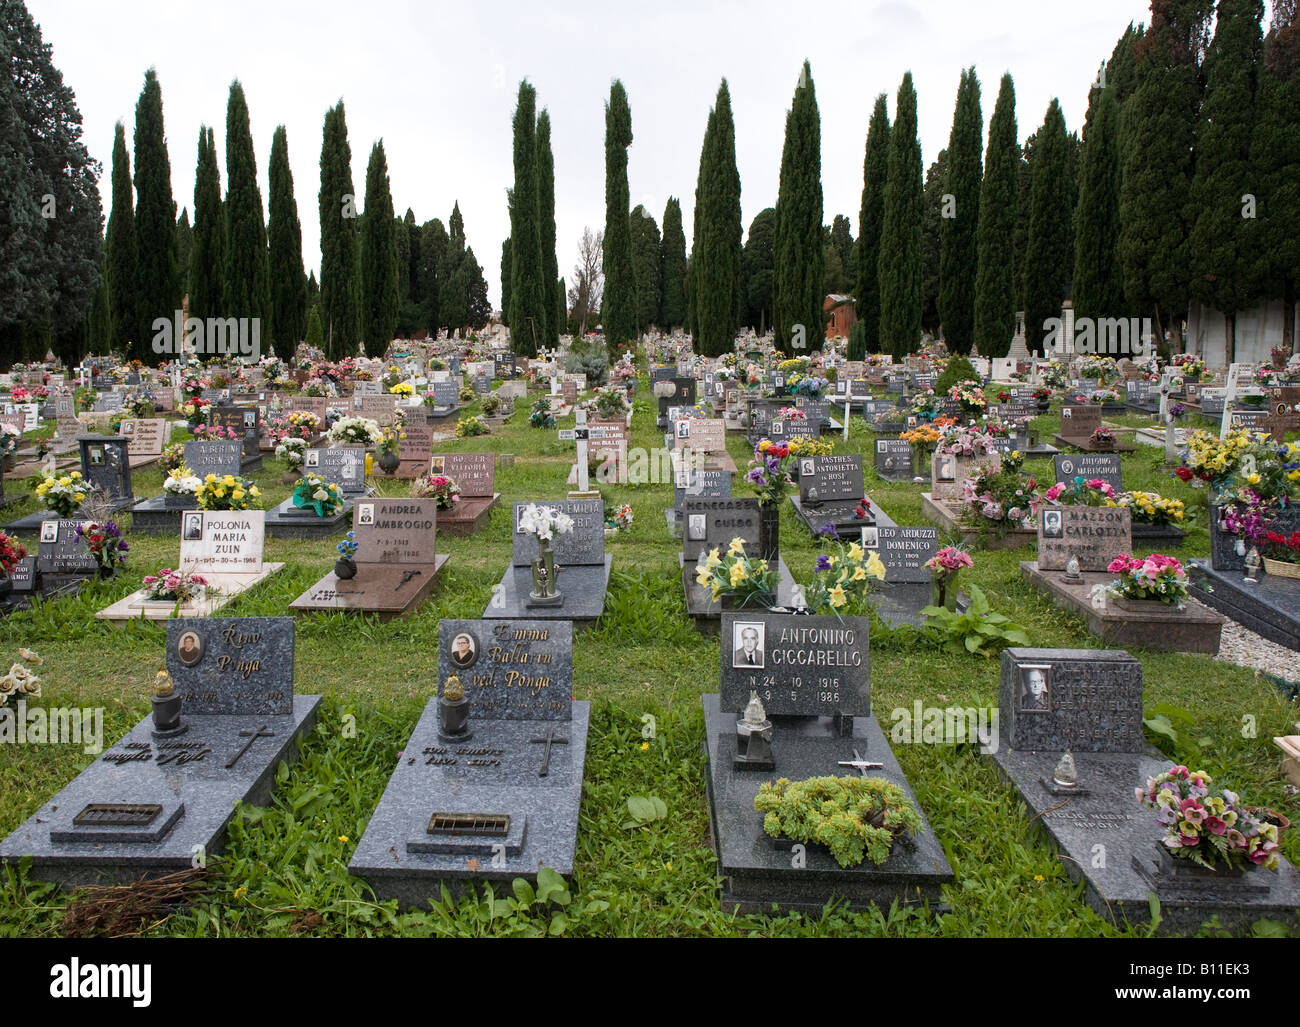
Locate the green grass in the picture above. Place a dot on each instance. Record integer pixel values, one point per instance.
(284, 871)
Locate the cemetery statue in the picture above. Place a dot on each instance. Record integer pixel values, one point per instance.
(453, 711)
(166, 708)
(1253, 564)
(754, 737)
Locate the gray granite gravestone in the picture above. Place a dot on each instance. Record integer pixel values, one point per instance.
(1089, 702)
(106, 466)
(581, 567)
(155, 804)
(502, 802)
(344, 467)
(214, 457)
(1088, 466)
(814, 686)
(894, 460)
(830, 491)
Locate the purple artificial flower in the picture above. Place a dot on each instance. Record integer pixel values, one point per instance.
(823, 563)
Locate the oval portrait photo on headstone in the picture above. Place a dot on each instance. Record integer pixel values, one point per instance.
(190, 648)
(464, 650)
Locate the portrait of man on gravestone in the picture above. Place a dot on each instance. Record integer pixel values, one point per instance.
(464, 650)
(870, 538)
(1035, 688)
(95, 456)
(683, 429)
(366, 513)
(250, 419)
(747, 644)
(695, 528)
(312, 459)
(193, 527)
(189, 648)
(778, 428)
(1052, 524)
(128, 427)
(946, 468)
(49, 531)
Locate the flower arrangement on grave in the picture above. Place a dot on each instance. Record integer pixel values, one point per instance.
(791, 414)
(317, 387)
(745, 580)
(944, 567)
(970, 395)
(1157, 578)
(388, 449)
(1191, 367)
(795, 365)
(541, 416)
(1207, 458)
(312, 492)
(293, 451)
(436, 486)
(997, 497)
(611, 403)
(1266, 376)
(545, 523)
(217, 432)
(1102, 436)
(194, 411)
(490, 404)
(841, 581)
(467, 393)
(226, 492)
(808, 385)
(769, 473)
(1104, 369)
(856, 818)
(1150, 508)
(356, 431)
(181, 481)
(10, 439)
(1082, 491)
(193, 385)
(1281, 549)
(139, 405)
(174, 586)
(1177, 411)
(20, 681)
(805, 446)
(618, 518)
(968, 441)
(1211, 828)
(404, 389)
(10, 553)
(173, 456)
(925, 404)
(469, 427)
(924, 437)
(62, 494)
(885, 420)
(105, 543)
(19, 394)
(1100, 397)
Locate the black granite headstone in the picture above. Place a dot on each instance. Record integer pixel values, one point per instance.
(1083, 700)
(232, 665)
(509, 669)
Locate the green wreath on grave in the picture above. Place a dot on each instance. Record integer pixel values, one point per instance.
(312, 492)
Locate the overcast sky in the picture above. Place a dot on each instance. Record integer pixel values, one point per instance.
(438, 81)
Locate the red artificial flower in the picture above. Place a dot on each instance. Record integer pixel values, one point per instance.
(1184, 474)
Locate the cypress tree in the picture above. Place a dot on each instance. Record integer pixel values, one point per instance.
(1219, 261)
(1157, 139)
(284, 235)
(313, 292)
(410, 273)
(505, 281)
(453, 276)
(379, 291)
(672, 268)
(759, 258)
(120, 251)
(528, 319)
(1024, 186)
(1275, 154)
(208, 257)
(402, 246)
(433, 250)
(184, 247)
(875, 170)
(715, 272)
(474, 285)
(1049, 258)
(246, 290)
(800, 260)
(935, 177)
(959, 226)
(645, 267)
(901, 258)
(158, 291)
(561, 307)
(338, 238)
(1098, 285)
(546, 225)
(315, 337)
(618, 311)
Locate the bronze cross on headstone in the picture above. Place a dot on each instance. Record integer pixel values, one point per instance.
(859, 763)
(252, 737)
(549, 740)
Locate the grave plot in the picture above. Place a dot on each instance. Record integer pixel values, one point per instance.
(1087, 705)
(711, 523)
(475, 473)
(578, 571)
(1076, 544)
(1077, 426)
(161, 515)
(906, 590)
(795, 704)
(895, 460)
(145, 440)
(224, 547)
(691, 482)
(395, 567)
(105, 468)
(831, 492)
(490, 782)
(943, 505)
(163, 795)
(345, 467)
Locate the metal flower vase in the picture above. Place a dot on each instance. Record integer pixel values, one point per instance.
(544, 592)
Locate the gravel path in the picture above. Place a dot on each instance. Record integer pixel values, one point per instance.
(1247, 649)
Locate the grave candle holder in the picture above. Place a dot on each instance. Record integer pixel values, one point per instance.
(453, 712)
(754, 738)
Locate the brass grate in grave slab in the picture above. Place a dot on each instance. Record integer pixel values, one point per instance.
(117, 814)
(492, 825)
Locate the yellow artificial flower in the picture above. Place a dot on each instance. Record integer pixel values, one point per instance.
(713, 560)
(237, 495)
(738, 573)
(855, 552)
(253, 491)
(875, 567)
(737, 547)
(838, 598)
